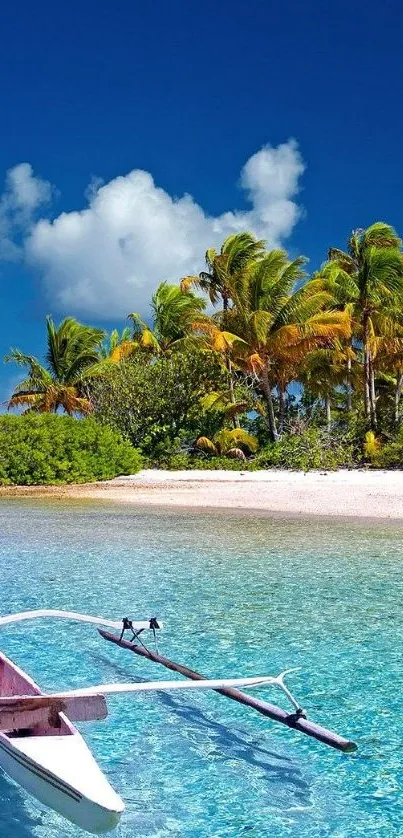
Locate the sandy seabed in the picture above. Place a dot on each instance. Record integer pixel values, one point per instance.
(346, 494)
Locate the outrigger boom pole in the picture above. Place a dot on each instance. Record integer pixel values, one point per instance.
(296, 720)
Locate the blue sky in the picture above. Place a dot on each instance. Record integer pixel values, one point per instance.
(122, 109)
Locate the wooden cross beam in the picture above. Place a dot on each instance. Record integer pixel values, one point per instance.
(21, 712)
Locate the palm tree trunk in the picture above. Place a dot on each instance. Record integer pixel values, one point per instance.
(281, 419)
(235, 418)
(271, 419)
(367, 370)
(228, 364)
(328, 413)
(398, 393)
(348, 387)
(373, 395)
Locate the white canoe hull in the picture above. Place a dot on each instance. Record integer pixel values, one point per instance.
(61, 773)
(53, 763)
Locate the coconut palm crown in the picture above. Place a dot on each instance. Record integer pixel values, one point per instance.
(173, 311)
(72, 351)
(235, 254)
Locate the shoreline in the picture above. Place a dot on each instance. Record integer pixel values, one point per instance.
(355, 494)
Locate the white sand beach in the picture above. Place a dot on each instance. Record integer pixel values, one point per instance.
(346, 494)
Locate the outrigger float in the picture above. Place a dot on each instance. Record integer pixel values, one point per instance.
(42, 750)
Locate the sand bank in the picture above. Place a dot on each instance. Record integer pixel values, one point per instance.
(355, 494)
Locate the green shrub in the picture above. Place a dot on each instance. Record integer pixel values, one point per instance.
(313, 449)
(217, 463)
(183, 461)
(391, 454)
(39, 449)
(156, 402)
(174, 462)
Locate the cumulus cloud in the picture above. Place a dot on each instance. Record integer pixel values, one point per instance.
(23, 196)
(24, 191)
(107, 259)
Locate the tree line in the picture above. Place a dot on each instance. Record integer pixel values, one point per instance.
(273, 347)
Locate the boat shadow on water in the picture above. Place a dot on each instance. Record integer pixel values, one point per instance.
(227, 744)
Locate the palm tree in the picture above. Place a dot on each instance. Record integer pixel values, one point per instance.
(387, 352)
(221, 403)
(209, 335)
(235, 253)
(322, 371)
(72, 351)
(369, 276)
(174, 310)
(117, 346)
(276, 322)
(227, 443)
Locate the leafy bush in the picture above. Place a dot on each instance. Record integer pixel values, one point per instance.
(391, 453)
(183, 461)
(217, 463)
(371, 447)
(156, 402)
(175, 461)
(314, 449)
(47, 448)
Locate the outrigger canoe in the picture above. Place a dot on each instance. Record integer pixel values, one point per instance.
(51, 761)
(42, 750)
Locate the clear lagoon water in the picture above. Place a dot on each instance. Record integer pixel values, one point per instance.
(239, 595)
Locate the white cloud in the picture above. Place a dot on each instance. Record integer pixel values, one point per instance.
(23, 196)
(107, 259)
(24, 191)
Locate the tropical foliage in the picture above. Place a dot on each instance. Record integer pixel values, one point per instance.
(60, 449)
(116, 347)
(367, 281)
(173, 312)
(390, 455)
(227, 443)
(313, 448)
(250, 351)
(72, 351)
(156, 403)
(237, 252)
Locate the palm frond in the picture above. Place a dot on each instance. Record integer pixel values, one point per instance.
(25, 399)
(343, 260)
(226, 439)
(381, 235)
(221, 402)
(302, 305)
(206, 444)
(211, 254)
(382, 274)
(187, 282)
(264, 279)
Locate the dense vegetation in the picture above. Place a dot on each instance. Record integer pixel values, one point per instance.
(289, 370)
(157, 405)
(60, 449)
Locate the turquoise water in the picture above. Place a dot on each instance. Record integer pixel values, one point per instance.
(239, 595)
